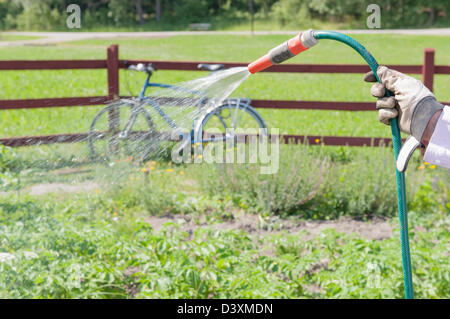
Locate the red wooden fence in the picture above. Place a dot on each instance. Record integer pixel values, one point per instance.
(113, 64)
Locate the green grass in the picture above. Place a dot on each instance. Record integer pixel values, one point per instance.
(388, 49)
(15, 37)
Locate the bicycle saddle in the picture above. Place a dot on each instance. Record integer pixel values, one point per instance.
(141, 67)
(210, 67)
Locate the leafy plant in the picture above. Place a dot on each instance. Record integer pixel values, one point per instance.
(297, 182)
(76, 249)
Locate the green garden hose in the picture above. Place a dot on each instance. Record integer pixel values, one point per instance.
(397, 143)
(305, 41)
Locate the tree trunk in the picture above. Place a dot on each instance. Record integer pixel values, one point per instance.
(252, 14)
(138, 4)
(158, 10)
(432, 16)
(266, 9)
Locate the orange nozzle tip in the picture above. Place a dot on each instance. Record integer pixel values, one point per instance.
(260, 64)
(295, 44)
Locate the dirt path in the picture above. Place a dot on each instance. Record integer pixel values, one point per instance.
(377, 229)
(45, 188)
(58, 37)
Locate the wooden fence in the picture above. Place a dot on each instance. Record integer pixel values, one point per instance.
(113, 64)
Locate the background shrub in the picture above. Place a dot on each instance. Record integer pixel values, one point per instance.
(298, 181)
(322, 183)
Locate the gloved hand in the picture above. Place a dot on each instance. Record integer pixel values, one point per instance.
(410, 100)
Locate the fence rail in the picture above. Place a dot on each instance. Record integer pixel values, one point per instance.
(286, 139)
(428, 69)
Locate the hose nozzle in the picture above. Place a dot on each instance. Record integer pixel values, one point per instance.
(287, 50)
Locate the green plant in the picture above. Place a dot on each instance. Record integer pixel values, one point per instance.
(76, 248)
(42, 15)
(288, 12)
(8, 158)
(365, 187)
(297, 182)
(432, 195)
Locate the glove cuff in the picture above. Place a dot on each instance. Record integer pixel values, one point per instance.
(422, 114)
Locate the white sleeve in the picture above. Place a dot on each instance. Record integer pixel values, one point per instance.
(438, 150)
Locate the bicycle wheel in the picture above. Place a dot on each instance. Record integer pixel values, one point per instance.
(232, 114)
(122, 131)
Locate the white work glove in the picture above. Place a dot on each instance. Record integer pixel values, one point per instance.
(410, 100)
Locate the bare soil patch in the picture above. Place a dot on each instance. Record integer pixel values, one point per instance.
(45, 188)
(377, 229)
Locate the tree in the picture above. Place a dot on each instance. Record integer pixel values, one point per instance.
(138, 4)
(42, 15)
(122, 11)
(49, 14)
(158, 10)
(265, 5)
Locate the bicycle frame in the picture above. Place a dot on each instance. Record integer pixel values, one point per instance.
(137, 105)
(149, 101)
(143, 99)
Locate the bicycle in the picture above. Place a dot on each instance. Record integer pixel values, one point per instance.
(138, 138)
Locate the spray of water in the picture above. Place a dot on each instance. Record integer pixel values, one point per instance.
(168, 109)
(170, 112)
(216, 87)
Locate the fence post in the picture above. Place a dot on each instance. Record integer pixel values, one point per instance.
(113, 89)
(428, 68)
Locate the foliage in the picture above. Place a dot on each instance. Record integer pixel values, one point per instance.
(431, 194)
(9, 179)
(78, 248)
(39, 15)
(122, 12)
(320, 184)
(8, 158)
(294, 185)
(288, 12)
(364, 186)
(50, 14)
(99, 245)
(406, 14)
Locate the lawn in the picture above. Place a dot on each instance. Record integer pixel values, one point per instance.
(388, 49)
(15, 37)
(71, 228)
